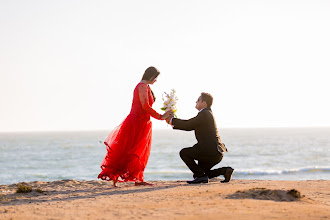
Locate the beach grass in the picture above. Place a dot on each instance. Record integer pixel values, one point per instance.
(23, 188)
(40, 190)
(3, 198)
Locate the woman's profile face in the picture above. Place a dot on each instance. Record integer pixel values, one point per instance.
(153, 80)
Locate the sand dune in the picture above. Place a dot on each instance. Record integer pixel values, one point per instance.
(239, 199)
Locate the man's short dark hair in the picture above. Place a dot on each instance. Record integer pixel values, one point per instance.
(207, 98)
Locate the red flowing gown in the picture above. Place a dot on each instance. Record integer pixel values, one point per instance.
(128, 145)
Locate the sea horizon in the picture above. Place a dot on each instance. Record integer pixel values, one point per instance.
(254, 153)
(161, 129)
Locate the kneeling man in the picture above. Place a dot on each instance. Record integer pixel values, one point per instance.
(209, 149)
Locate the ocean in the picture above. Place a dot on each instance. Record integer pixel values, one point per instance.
(254, 153)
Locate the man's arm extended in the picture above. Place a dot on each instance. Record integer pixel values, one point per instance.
(187, 125)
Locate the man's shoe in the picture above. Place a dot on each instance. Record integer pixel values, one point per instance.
(229, 172)
(197, 180)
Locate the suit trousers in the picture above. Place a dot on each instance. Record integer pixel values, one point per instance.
(204, 163)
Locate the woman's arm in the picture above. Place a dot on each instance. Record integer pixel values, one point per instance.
(143, 95)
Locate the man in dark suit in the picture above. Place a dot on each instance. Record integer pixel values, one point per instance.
(209, 149)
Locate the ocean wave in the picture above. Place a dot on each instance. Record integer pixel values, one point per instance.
(284, 171)
(172, 171)
(251, 171)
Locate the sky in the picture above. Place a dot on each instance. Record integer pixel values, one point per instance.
(73, 65)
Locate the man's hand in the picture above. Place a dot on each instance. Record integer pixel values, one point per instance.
(168, 120)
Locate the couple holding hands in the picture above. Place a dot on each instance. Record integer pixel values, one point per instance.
(128, 145)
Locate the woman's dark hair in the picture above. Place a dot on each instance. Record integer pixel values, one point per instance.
(150, 74)
(207, 98)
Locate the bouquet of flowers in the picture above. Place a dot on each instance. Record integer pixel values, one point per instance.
(170, 101)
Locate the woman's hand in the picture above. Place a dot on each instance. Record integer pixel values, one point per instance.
(167, 114)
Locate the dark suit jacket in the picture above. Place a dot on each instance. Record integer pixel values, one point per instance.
(206, 132)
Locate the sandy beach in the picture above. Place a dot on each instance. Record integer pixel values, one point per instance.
(239, 199)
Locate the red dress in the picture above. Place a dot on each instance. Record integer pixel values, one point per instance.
(128, 145)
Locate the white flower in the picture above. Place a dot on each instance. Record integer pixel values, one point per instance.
(170, 101)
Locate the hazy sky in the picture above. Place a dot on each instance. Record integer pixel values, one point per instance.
(73, 65)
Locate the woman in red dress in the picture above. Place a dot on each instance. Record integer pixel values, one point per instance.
(128, 145)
